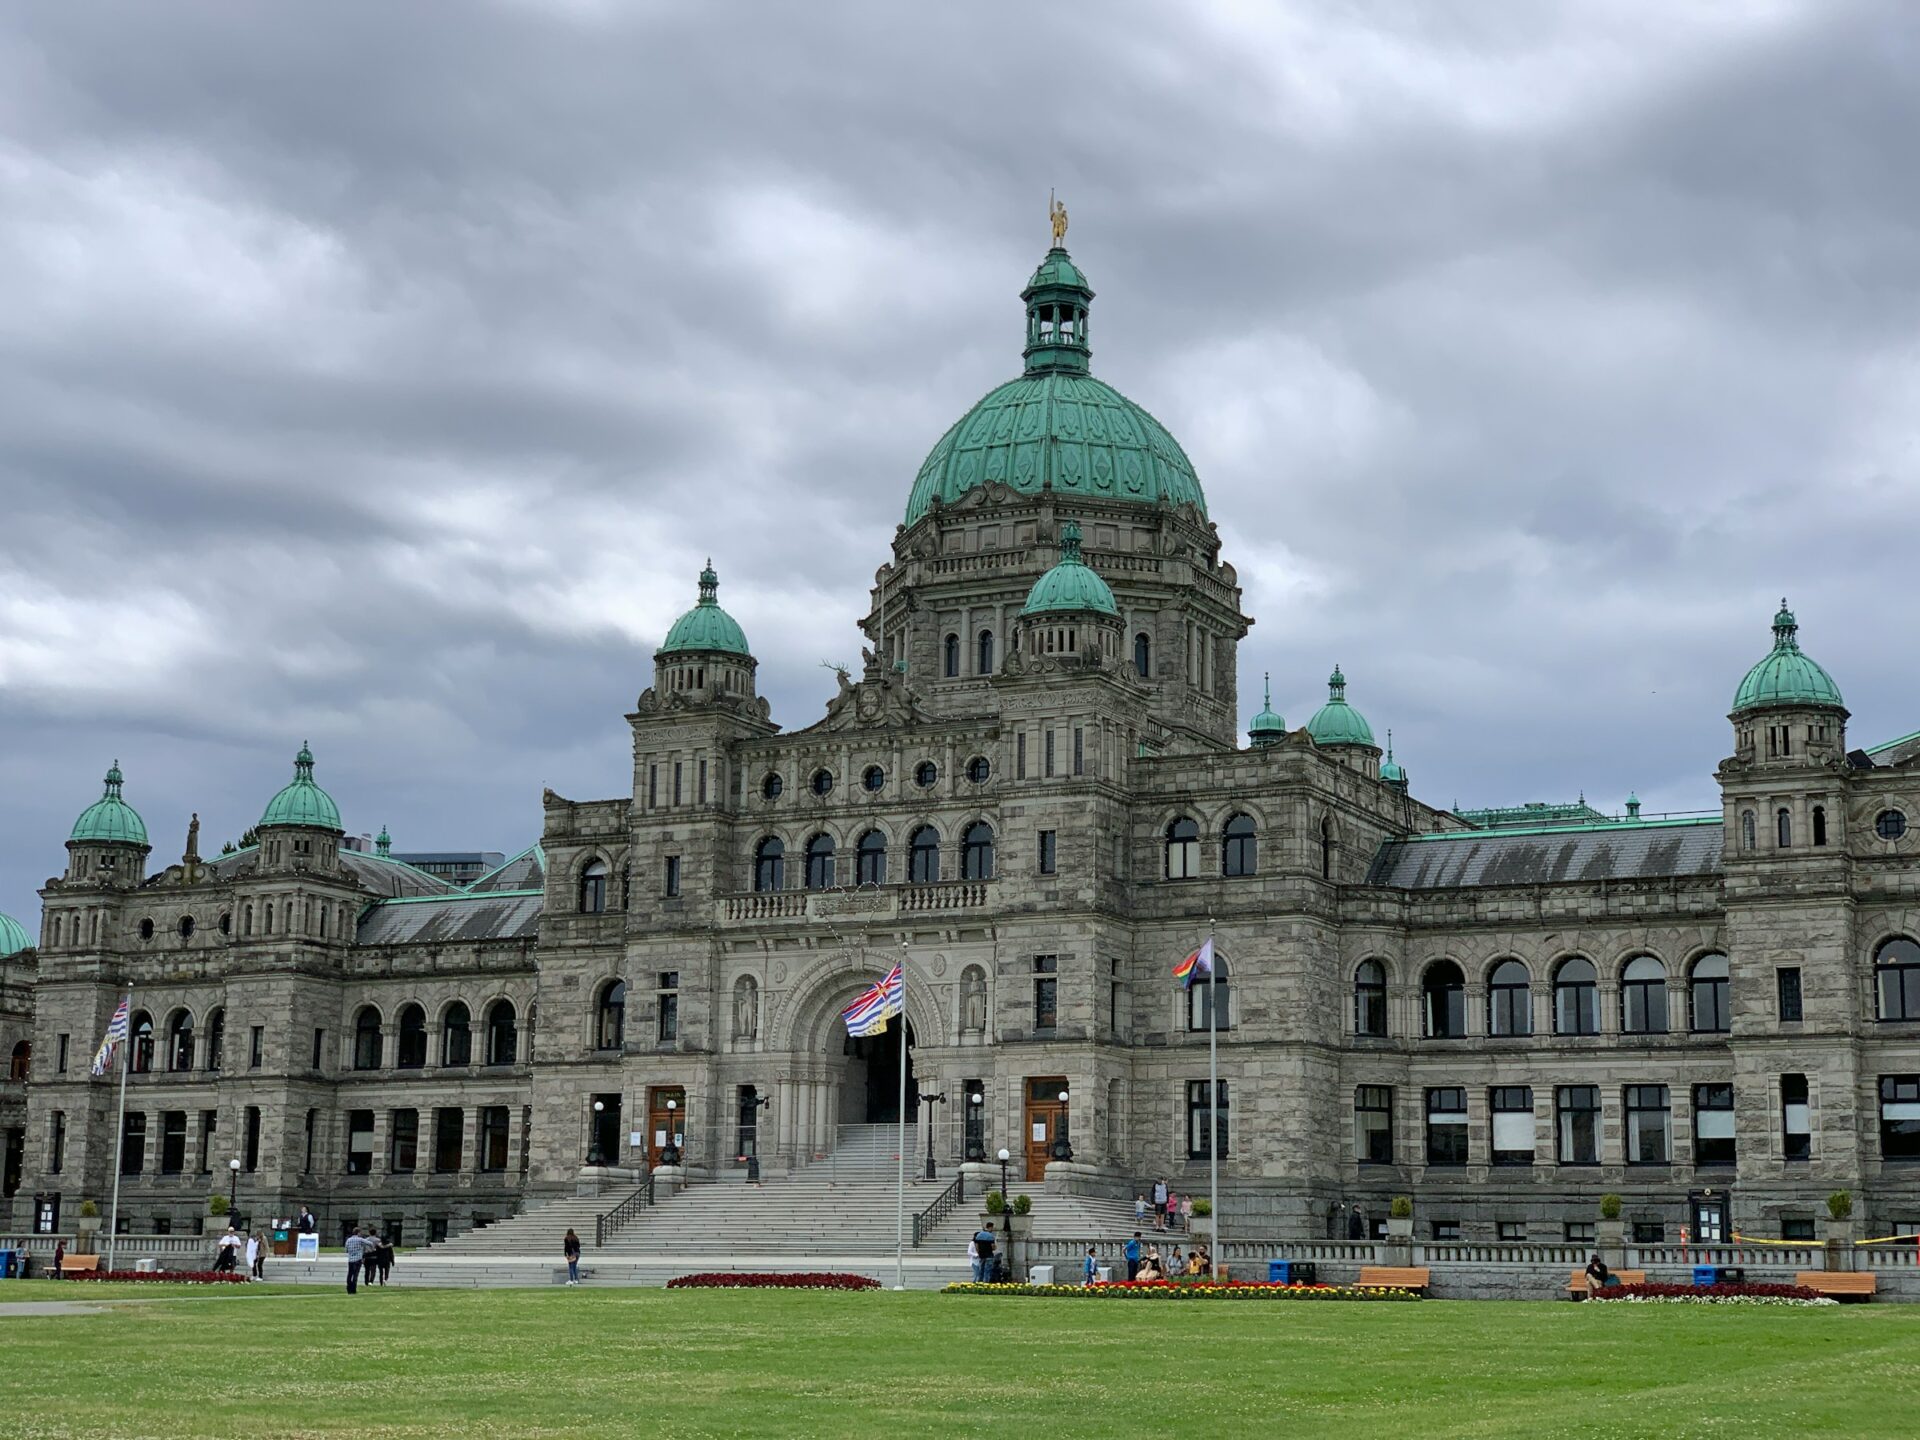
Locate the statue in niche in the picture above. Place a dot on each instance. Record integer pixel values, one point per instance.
(973, 1001)
(746, 1009)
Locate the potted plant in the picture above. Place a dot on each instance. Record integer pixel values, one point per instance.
(1400, 1217)
(1202, 1215)
(86, 1229)
(1840, 1230)
(1611, 1233)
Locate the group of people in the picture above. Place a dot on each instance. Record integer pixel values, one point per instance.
(1144, 1262)
(1167, 1210)
(368, 1253)
(230, 1247)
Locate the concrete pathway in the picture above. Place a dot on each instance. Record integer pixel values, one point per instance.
(50, 1307)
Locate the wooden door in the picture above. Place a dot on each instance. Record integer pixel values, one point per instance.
(665, 1125)
(1044, 1115)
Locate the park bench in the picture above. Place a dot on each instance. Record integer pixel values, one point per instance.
(1577, 1285)
(1840, 1284)
(1395, 1277)
(78, 1264)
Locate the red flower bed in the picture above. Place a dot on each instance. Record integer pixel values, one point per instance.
(773, 1280)
(170, 1277)
(1707, 1292)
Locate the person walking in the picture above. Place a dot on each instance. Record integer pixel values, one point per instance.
(1159, 1204)
(356, 1257)
(383, 1256)
(570, 1247)
(1140, 1210)
(1090, 1271)
(253, 1256)
(1132, 1252)
(1173, 1211)
(59, 1254)
(1186, 1213)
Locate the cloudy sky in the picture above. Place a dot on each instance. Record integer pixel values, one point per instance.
(381, 375)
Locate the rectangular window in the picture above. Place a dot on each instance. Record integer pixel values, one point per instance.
(1796, 1229)
(1047, 746)
(673, 876)
(1048, 839)
(436, 1229)
(1446, 1230)
(1713, 1125)
(359, 1142)
(1020, 756)
(493, 1137)
(1512, 1110)
(1079, 751)
(1447, 1126)
(1649, 1232)
(701, 797)
(1649, 1125)
(250, 1159)
(449, 1136)
(1578, 1128)
(1373, 1124)
(403, 1142)
(319, 1049)
(1046, 991)
(1206, 1124)
(313, 1127)
(163, 1225)
(1900, 1117)
(209, 1129)
(1787, 979)
(1796, 1119)
(173, 1142)
(669, 1026)
(57, 1142)
(60, 1055)
(678, 767)
(1512, 1232)
(256, 1047)
(653, 786)
(1578, 1232)
(1113, 996)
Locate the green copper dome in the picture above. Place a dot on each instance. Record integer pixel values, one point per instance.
(302, 802)
(1071, 585)
(1786, 676)
(706, 626)
(1267, 726)
(13, 937)
(1389, 771)
(110, 820)
(1057, 428)
(1337, 722)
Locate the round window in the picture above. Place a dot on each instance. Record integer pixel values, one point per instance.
(925, 773)
(186, 927)
(1890, 825)
(146, 929)
(978, 770)
(873, 777)
(822, 782)
(772, 786)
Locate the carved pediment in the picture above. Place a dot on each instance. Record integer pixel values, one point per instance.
(871, 704)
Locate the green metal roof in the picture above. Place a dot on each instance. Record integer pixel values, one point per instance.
(302, 802)
(13, 937)
(1389, 771)
(1071, 585)
(1337, 722)
(1786, 676)
(110, 820)
(1533, 813)
(1267, 726)
(706, 626)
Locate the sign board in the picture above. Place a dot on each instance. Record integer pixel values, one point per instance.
(636, 1138)
(307, 1247)
(1039, 1132)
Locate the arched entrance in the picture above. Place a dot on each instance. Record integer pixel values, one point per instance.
(871, 1094)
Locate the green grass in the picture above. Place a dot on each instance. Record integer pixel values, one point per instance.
(653, 1362)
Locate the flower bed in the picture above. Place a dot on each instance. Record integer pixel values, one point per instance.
(773, 1280)
(1190, 1290)
(1728, 1294)
(170, 1277)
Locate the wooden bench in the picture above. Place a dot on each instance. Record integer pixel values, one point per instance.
(1840, 1284)
(1394, 1277)
(1577, 1286)
(78, 1264)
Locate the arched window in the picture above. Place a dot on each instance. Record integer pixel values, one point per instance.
(1747, 837)
(1709, 996)
(1370, 998)
(1576, 1004)
(1643, 997)
(950, 657)
(140, 1060)
(1183, 849)
(456, 1035)
(503, 1035)
(593, 888)
(923, 856)
(1509, 1000)
(366, 1039)
(770, 864)
(610, 1016)
(1819, 825)
(180, 1041)
(216, 1037)
(1143, 656)
(976, 851)
(410, 1050)
(870, 859)
(20, 1066)
(1783, 828)
(1326, 849)
(1896, 974)
(1239, 852)
(986, 653)
(820, 863)
(1443, 993)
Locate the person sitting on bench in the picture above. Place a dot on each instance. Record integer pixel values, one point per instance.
(1598, 1275)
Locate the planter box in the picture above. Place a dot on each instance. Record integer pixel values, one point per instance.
(1400, 1227)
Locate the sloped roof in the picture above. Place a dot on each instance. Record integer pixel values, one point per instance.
(1631, 850)
(525, 871)
(378, 873)
(501, 915)
(1896, 752)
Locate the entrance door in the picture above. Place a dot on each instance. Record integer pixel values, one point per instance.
(1045, 1115)
(666, 1124)
(1709, 1218)
(603, 1133)
(878, 1072)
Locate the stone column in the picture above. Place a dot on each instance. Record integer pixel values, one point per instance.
(787, 1093)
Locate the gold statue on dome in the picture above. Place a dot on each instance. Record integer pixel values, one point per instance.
(1057, 213)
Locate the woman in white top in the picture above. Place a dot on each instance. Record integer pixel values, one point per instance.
(253, 1256)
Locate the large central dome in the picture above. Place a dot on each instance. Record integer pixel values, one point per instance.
(1056, 428)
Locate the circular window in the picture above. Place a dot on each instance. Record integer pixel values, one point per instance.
(925, 773)
(146, 929)
(772, 786)
(978, 770)
(873, 777)
(822, 782)
(186, 927)
(1890, 825)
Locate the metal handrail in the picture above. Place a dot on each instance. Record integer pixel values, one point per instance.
(944, 1204)
(611, 1223)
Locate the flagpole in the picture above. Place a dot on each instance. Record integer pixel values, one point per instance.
(119, 1134)
(900, 1203)
(1213, 1097)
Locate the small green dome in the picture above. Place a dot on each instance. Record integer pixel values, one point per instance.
(1337, 722)
(110, 820)
(1786, 676)
(302, 802)
(1267, 727)
(706, 626)
(13, 937)
(1071, 585)
(1389, 771)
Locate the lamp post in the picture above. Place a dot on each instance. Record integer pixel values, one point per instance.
(930, 1101)
(670, 1152)
(594, 1155)
(1006, 1200)
(976, 1127)
(233, 1192)
(759, 1102)
(1062, 1147)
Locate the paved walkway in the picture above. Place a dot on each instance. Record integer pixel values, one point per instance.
(50, 1307)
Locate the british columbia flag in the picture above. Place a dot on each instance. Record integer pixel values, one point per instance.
(116, 1037)
(869, 1014)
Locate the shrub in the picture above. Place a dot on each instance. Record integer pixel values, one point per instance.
(171, 1277)
(1203, 1207)
(89, 1210)
(800, 1280)
(1609, 1207)
(996, 1203)
(1402, 1207)
(1023, 1204)
(1840, 1204)
(216, 1205)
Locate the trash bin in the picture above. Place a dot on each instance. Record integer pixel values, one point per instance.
(1040, 1274)
(10, 1264)
(1104, 1274)
(1706, 1274)
(145, 1266)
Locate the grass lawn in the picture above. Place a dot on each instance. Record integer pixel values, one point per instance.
(654, 1362)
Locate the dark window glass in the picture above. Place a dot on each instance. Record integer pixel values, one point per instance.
(503, 1034)
(403, 1149)
(770, 864)
(1207, 1124)
(449, 1126)
(1577, 1124)
(1509, 1000)
(1713, 1125)
(1709, 998)
(1649, 1232)
(1142, 657)
(871, 859)
(671, 885)
(669, 1024)
(772, 786)
(1649, 1125)
(250, 1139)
(593, 888)
(873, 778)
(1183, 850)
(1897, 979)
(1783, 828)
(1643, 997)
(610, 1016)
(319, 1049)
(359, 1142)
(256, 1047)
(1443, 992)
(1370, 998)
(1239, 847)
(976, 851)
(1819, 825)
(412, 1051)
(216, 1039)
(822, 782)
(1890, 825)
(978, 770)
(1796, 1229)
(493, 1137)
(1447, 1126)
(923, 856)
(1046, 992)
(173, 1142)
(1373, 1124)
(1796, 1118)
(133, 1143)
(1210, 998)
(1512, 1109)
(1787, 979)
(456, 1036)
(820, 863)
(1576, 1003)
(950, 657)
(180, 1041)
(366, 1039)
(985, 656)
(926, 774)
(1900, 1117)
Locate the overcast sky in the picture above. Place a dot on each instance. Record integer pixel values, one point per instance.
(381, 375)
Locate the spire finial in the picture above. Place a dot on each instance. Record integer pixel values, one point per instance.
(1785, 628)
(709, 585)
(114, 778)
(1070, 543)
(1337, 685)
(303, 763)
(383, 843)
(1389, 744)
(1266, 679)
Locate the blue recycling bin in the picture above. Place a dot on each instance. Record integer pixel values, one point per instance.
(1290, 1272)
(12, 1264)
(1706, 1274)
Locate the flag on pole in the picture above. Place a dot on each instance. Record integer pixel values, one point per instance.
(869, 1014)
(1196, 967)
(116, 1037)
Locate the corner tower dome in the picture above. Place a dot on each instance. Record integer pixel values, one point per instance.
(110, 820)
(706, 627)
(302, 802)
(13, 937)
(1337, 722)
(1056, 428)
(1786, 676)
(1267, 727)
(1071, 585)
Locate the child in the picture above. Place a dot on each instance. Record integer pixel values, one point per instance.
(1091, 1270)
